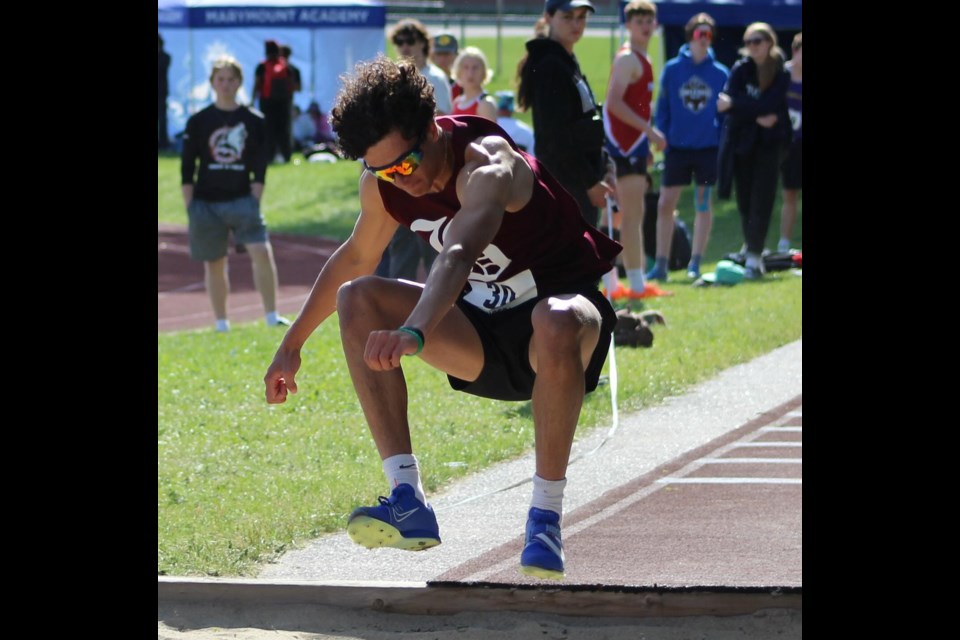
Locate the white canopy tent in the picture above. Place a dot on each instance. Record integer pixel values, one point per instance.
(327, 38)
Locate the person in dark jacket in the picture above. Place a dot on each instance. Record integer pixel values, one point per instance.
(273, 86)
(296, 84)
(567, 121)
(792, 169)
(163, 90)
(755, 132)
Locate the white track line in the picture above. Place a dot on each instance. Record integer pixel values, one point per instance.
(183, 248)
(695, 480)
(246, 307)
(190, 287)
(753, 460)
(626, 502)
(304, 248)
(770, 444)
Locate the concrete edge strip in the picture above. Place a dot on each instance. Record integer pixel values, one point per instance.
(441, 598)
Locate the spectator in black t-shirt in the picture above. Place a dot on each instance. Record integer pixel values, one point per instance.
(224, 195)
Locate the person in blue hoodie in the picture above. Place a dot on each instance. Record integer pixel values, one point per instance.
(687, 114)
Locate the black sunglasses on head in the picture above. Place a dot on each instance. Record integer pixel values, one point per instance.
(409, 40)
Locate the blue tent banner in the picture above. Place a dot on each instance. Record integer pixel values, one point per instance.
(292, 17)
(780, 14)
(327, 37)
(211, 16)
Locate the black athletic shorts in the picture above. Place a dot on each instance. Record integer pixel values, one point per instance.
(507, 374)
(682, 165)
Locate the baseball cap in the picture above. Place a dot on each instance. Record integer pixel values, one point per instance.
(563, 5)
(445, 43)
(504, 100)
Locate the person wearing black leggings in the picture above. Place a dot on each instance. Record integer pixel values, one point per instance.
(755, 130)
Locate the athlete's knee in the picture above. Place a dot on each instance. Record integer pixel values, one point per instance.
(359, 295)
(562, 324)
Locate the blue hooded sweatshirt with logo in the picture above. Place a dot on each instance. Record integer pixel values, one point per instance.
(687, 103)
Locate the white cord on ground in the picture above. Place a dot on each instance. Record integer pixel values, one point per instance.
(612, 358)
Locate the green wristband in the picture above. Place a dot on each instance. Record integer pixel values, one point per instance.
(416, 333)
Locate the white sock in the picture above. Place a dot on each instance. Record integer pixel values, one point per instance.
(784, 245)
(223, 325)
(635, 276)
(548, 494)
(271, 318)
(611, 280)
(753, 260)
(403, 468)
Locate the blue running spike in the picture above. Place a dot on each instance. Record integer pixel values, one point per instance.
(542, 555)
(400, 521)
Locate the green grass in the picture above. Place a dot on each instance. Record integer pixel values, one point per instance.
(239, 482)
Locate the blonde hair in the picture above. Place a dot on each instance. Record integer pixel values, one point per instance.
(639, 7)
(476, 54)
(227, 62)
(768, 69)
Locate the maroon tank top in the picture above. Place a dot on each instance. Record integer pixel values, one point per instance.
(545, 248)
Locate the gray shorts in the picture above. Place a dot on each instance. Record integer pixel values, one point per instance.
(212, 222)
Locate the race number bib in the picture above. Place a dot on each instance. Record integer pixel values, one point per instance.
(485, 292)
(495, 296)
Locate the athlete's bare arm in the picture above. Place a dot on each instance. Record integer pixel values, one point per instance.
(358, 256)
(494, 181)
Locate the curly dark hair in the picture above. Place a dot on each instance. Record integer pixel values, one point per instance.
(382, 95)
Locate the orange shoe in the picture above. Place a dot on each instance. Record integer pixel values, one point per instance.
(650, 290)
(619, 293)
